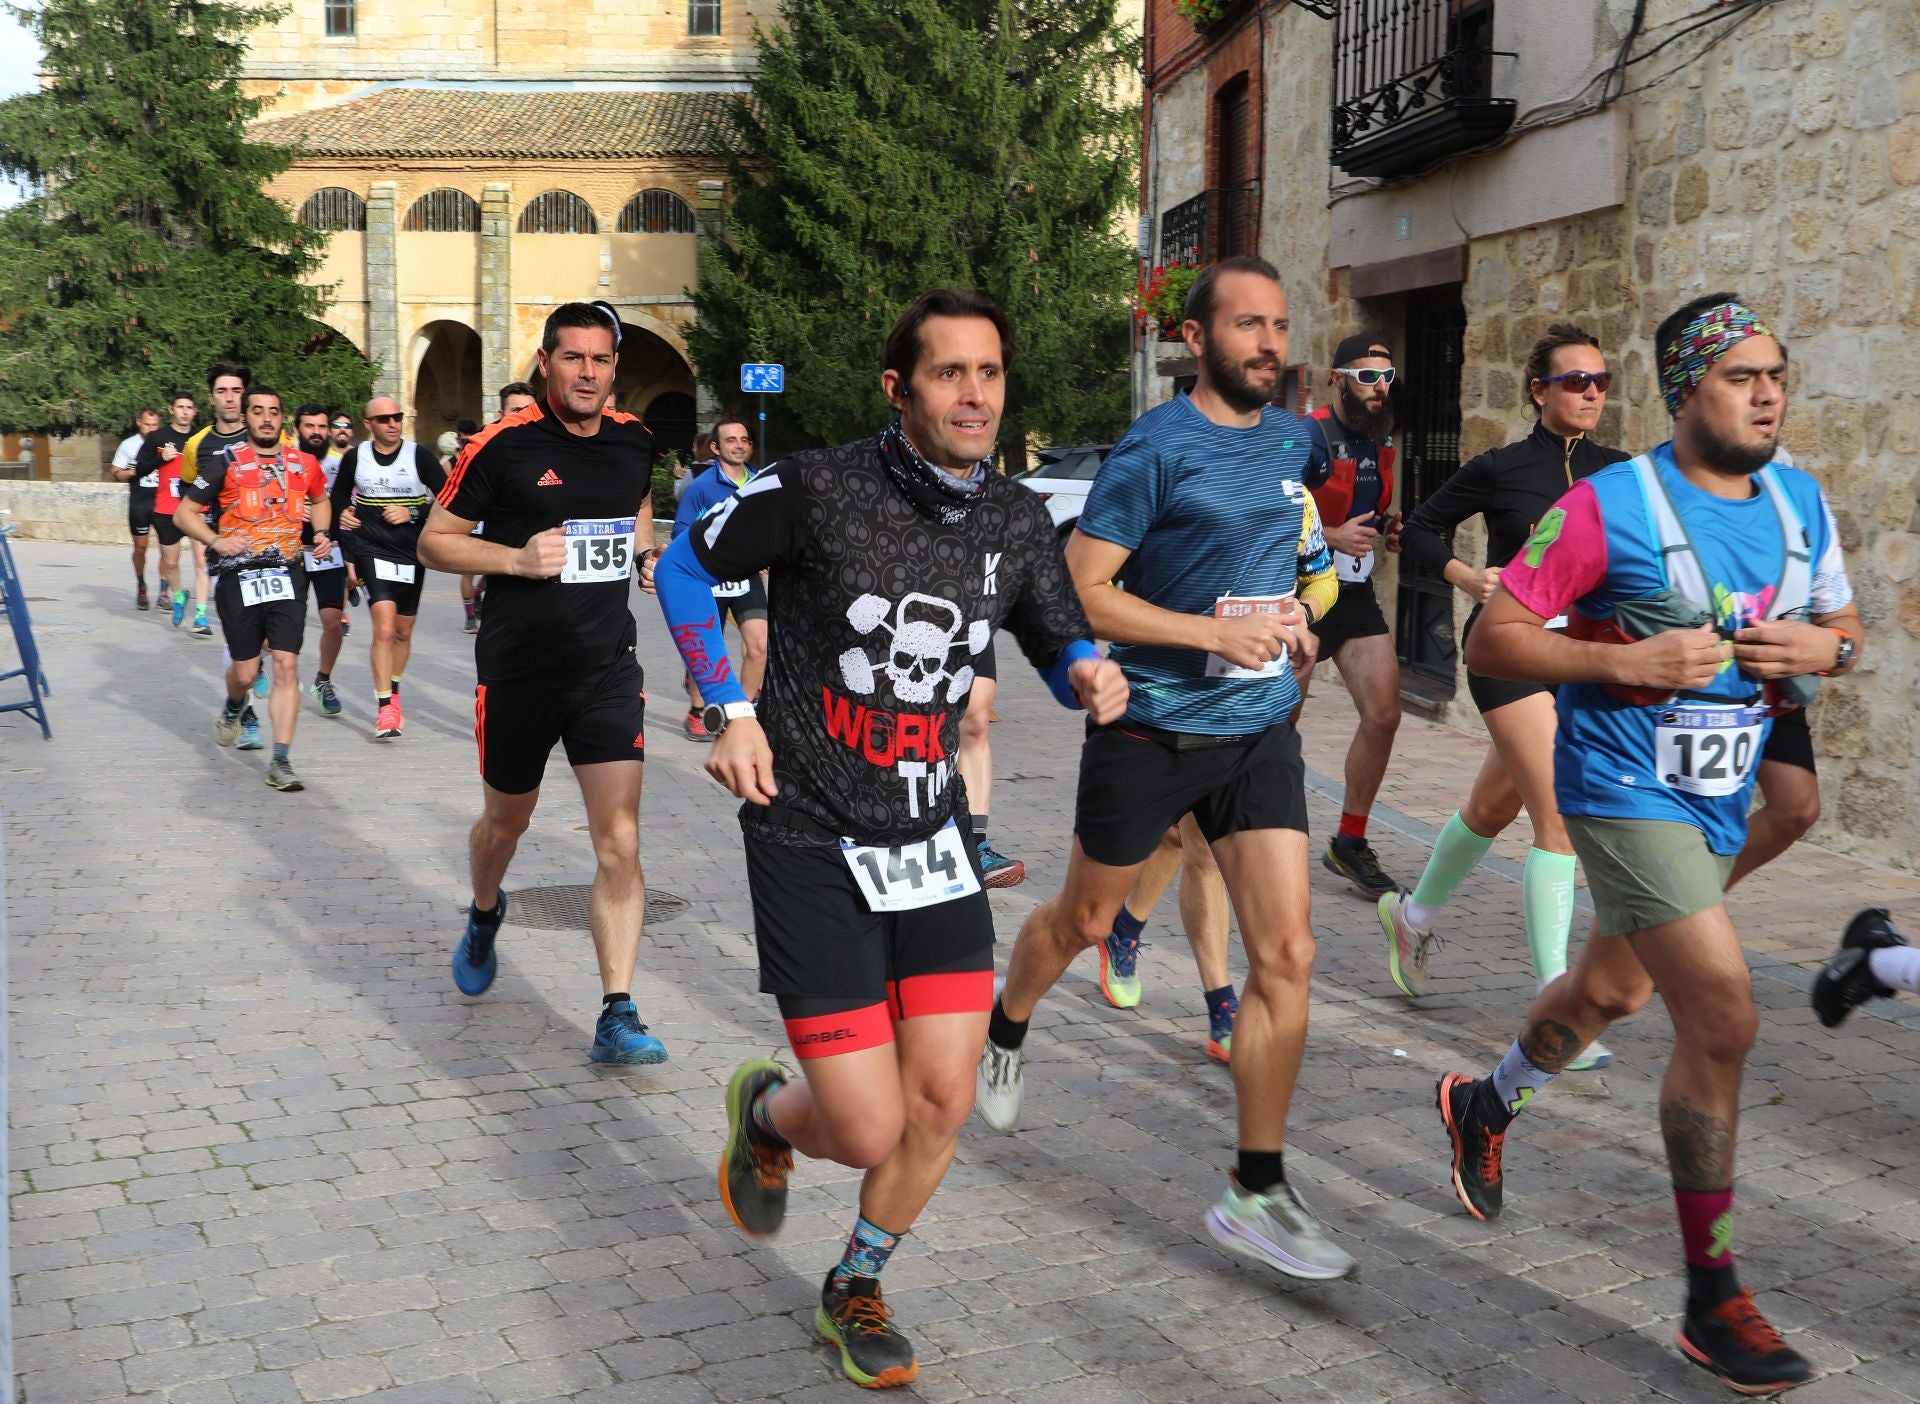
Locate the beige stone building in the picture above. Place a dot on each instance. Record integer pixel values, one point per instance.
(1459, 172)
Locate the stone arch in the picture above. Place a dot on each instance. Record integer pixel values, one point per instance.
(446, 378)
(443, 211)
(656, 211)
(557, 212)
(334, 209)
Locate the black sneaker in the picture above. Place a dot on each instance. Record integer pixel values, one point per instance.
(872, 1352)
(1360, 866)
(753, 1171)
(1739, 1345)
(1476, 1149)
(1848, 979)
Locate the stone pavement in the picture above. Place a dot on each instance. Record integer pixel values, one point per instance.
(263, 1152)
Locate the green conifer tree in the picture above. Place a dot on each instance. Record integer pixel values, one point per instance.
(890, 146)
(149, 247)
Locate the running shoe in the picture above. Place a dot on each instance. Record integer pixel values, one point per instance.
(353, 596)
(1360, 867)
(261, 683)
(1476, 1150)
(1220, 1031)
(620, 1037)
(346, 624)
(753, 1171)
(695, 727)
(201, 628)
(140, 600)
(386, 723)
(1407, 947)
(1595, 1057)
(1848, 980)
(1278, 1229)
(473, 623)
(475, 959)
(329, 700)
(179, 607)
(872, 1352)
(998, 870)
(1119, 970)
(280, 775)
(1739, 1345)
(998, 1087)
(250, 732)
(226, 728)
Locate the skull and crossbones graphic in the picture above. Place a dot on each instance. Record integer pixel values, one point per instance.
(922, 633)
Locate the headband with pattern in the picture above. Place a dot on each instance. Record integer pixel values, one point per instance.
(1684, 361)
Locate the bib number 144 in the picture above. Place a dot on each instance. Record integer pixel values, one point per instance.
(909, 875)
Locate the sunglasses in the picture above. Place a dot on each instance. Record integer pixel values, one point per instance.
(1578, 381)
(343, 424)
(1369, 375)
(385, 418)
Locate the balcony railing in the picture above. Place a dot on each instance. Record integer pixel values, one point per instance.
(1413, 83)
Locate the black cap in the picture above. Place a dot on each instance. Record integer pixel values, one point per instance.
(1358, 347)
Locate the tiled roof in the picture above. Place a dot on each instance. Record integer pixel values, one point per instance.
(442, 122)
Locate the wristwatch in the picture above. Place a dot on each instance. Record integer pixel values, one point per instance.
(1842, 660)
(717, 718)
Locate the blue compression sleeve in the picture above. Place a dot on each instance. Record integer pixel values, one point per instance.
(685, 589)
(1056, 676)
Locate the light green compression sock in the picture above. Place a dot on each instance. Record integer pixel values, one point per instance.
(1546, 891)
(1454, 856)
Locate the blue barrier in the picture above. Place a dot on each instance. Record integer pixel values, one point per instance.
(13, 604)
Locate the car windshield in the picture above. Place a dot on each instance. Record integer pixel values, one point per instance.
(1072, 465)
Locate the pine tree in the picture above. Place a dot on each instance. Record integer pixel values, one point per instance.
(150, 248)
(890, 146)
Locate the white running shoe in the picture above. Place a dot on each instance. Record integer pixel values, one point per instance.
(1277, 1229)
(999, 1085)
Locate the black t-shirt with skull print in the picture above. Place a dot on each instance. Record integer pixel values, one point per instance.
(876, 613)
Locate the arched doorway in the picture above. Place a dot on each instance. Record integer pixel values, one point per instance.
(446, 386)
(669, 417)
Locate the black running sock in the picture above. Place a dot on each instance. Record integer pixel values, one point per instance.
(1342, 843)
(1005, 1032)
(608, 1001)
(979, 825)
(233, 707)
(319, 678)
(1709, 1287)
(1259, 1171)
(489, 918)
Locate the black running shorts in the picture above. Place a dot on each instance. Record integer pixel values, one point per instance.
(844, 975)
(749, 604)
(164, 531)
(1355, 615)
(329, 587)
(986, 663)
(280, 625)
(403, 595)
(140, 513)
(517, 722)
(1791, 741)
(1136, 783)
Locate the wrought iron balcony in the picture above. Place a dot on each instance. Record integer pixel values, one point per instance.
(1413, 83)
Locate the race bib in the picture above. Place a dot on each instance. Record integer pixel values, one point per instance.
(1707, 751)
(1238, 606)
(919, 874)
(1352, 570)
(598, 549)
(167, 497)
(398, 572)
(258, 587)
(731, 589)
(335, 561)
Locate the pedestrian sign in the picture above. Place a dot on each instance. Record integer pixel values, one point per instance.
(763, 378)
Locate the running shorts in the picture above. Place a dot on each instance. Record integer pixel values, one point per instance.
(140, 513)
(329, 587)
(1355, 615)
(517, 722)
(404, 595)
(1645, 872)
(280, 625)
(750, 604)
(1490, 693)
(1136, 782)
(164, 531)
(844, 975)
(986, 664)
(1791, 741)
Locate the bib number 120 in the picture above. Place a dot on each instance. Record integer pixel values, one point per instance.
(1708, 751)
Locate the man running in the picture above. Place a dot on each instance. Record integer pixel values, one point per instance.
(1199, 555)
(263, 494)
(514, 396)
(745, 600)
(381, 494)
(140, 493)
(340, 430)
(227, 381)
(1688, 579)
(160, 458)
(328, 576)
(561, 490)
(1350, 473)
(893, 560)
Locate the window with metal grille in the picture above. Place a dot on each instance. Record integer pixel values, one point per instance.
(558, 212)
(703, 17)
(656, 212)
(340, 18)
(335, 210)
(1234, 190)
(443, 212)
(1413, 83)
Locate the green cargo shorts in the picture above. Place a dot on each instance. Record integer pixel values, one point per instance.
(1644, 872)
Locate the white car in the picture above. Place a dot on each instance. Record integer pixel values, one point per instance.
(1064, 478)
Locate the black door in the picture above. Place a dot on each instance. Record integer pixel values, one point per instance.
(1427, 407)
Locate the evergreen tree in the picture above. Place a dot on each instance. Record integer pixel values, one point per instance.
(890, 146)
(150, 248)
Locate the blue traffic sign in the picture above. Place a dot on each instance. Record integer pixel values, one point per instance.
(763, 378)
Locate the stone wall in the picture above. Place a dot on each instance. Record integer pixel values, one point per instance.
(92, 512)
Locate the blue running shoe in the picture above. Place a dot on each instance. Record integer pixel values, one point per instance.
(250, 732)
(260, 684)
(179, 607)
(1119, 966)
(475, 961)
(620, 1037)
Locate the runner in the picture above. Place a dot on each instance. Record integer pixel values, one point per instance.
(1513, 488)
(874, 932)
(1661, 724)
(160, 457)
(1199, 554)
(514, 397)
(745, 600)
(341, 427)
(381, 494)
(560, 492)
(1874, 960)
(140, 493)
(264, 493)
(227, 381)
(328, 577)
(976, 768)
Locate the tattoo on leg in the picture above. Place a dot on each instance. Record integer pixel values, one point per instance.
(1699, 1147)
(1550, 1046)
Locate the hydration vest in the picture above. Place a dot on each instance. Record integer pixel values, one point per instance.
(1334, 497)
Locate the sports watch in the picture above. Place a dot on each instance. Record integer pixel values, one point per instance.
(1843, 659)
(717, 718)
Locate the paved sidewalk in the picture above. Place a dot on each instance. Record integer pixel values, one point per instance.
(263, 1152)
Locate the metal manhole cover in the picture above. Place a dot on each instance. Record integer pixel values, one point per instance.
(565, 907)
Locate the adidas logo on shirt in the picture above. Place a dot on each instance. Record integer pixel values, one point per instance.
(549, 479)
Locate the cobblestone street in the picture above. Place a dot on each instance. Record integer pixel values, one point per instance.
(262, 1152)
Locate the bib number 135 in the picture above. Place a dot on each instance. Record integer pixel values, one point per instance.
(597, 550)
(1708, 751)
(910, 875)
